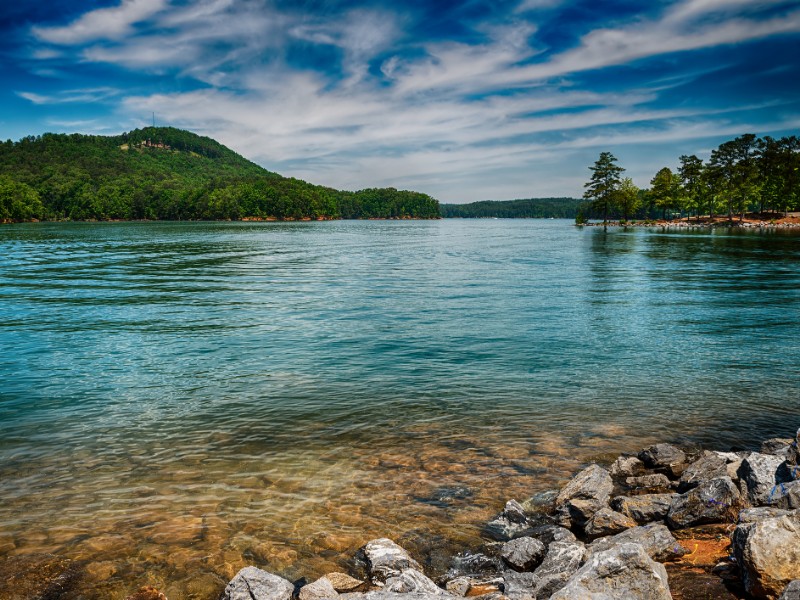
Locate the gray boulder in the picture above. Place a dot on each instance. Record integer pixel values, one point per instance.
(709, 466)
(411, 581)
(620, 573)
(715, 501)
(792, 591)
(768, 552)
(664, 457)
(583, 496)
(384, 595)
(751, 515)
(509, 524)
(523, 554)
(321, 589)
(655, 480)
(254, 584)
(562, 561)
(385, 559)
(758, 474)
(343, 583)
(626, 466)
(520, 586)
(656, 539)
(547, 534)
(607, 522)
(644, 508)
(785, 495)
(777, 446)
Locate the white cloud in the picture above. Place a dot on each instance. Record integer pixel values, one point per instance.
(103, 23)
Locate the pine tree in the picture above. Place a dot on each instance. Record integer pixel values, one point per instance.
(603, 185)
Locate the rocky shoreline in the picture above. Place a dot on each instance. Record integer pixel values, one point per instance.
(696, 225)
(608, 534)
(665, 524)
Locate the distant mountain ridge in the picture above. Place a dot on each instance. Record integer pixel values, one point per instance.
(171, 174)
(524, 208)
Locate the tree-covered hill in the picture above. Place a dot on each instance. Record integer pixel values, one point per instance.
(168, 173)
(530, 208)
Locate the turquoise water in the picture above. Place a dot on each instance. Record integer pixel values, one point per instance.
(274, 393)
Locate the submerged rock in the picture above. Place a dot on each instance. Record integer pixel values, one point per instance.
(523, 554)
(474, 564)
(37, 576)
(583, 496)
(513, 522)
(385, 559)
(147, 592)
(644, 508)
(715, 501)
(620, 573)
(768, 552)
(664, 457)
(254, 584)
(656, 539)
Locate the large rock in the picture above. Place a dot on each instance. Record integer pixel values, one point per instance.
(768, 552)
(343, 583)
(583, 496)
(792, 591)
(384, 595)
(654, 480)
(644, 508)
(562, 561)
(254, 584)
(715, 501)
(607, 522)
(509, 524)
(664, 457)
(411, 581)
(759, 476)
(474, 564)
(626, 466)
(785, 495)
(757, 513)
(623, 572)
(656, 539)
(777, 446)
(523, 554)
(321, 589)
(520, 586)
(547, 534)
(709, 466)
(385, 559)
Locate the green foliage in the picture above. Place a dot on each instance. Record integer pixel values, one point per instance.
(664, 190)
(627, 198)
(529, 208)
(166, 173)
(604, 183)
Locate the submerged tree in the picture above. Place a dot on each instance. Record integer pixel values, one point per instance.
(603, 186)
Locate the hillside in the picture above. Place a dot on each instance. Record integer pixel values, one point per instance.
(529, 208)
(167, 173)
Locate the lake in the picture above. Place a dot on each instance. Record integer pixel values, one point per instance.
(179, 400)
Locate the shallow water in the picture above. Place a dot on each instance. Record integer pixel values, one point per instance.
(179, 400)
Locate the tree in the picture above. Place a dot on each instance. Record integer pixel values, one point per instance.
(692, 188)
(627, 197)
(664, 190)
(603, 185)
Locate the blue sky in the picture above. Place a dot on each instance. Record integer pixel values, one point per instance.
(463, 100)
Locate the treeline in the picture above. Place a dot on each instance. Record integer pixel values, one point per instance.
(527, 208)
(744, 175)
(169, 174)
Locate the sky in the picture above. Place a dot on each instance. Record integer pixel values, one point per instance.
(465, 101)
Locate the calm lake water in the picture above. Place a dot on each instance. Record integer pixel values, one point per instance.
(180, 400)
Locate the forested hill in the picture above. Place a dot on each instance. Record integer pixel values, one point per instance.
(167, 173)
(529, 208)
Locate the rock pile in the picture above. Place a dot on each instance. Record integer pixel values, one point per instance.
(604, 536)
